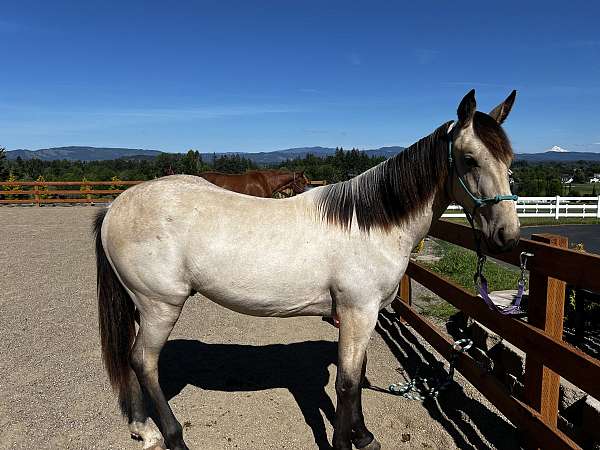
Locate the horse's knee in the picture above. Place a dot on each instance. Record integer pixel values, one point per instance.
(346, 386)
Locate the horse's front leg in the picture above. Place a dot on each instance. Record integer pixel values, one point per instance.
(356, 327)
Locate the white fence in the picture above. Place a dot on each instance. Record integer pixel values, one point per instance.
(556, 207)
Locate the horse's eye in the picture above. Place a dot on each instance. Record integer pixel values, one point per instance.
(470, 161)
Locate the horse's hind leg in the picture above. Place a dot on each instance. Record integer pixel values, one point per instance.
(156, 323)
(356, 327)
(134, 408)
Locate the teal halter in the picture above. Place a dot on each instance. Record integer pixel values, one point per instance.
(479, 201)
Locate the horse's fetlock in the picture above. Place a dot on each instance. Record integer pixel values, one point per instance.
(174, 435)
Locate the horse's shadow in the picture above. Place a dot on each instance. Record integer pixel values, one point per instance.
(463, 417)
(300, 367)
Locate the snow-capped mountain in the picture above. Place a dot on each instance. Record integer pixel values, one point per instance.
(558, 149)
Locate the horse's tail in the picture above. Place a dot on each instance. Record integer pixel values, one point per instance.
(116, 316)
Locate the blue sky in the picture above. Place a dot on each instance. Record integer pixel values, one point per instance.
(252, 76)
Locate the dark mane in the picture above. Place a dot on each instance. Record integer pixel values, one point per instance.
(393, 191)
(493, 136)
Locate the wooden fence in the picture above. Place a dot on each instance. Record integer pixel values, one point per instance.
(39, 192)
(547, 357)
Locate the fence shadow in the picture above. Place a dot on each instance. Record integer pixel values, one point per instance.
(301, 367)
(461, 416)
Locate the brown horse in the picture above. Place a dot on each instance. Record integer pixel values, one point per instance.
(259, 183)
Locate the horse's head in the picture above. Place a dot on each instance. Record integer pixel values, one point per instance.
(299, 182)
(480, 155)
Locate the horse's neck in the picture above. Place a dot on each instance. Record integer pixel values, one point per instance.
(421, 221)
(279, 180)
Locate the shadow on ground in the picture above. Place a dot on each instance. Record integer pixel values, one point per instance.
(300, 367)
(464, 418)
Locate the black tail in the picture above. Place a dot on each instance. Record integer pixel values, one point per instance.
(116, 316)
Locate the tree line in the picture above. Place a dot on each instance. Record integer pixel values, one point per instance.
(530, 179)
(337, 167)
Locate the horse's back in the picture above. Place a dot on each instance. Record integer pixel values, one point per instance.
(250, 183)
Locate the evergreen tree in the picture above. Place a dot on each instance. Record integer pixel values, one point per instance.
(3, 166)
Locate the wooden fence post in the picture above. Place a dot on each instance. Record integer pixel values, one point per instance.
(87, 187)
(545, 311)
(36, 193)
(404, 294)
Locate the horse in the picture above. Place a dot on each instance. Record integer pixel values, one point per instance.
(338, 250)
(259, 183)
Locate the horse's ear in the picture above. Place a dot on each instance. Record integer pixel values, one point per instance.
(466, 109)
(500, 112)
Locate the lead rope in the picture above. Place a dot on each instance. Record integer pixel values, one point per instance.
(421, 388)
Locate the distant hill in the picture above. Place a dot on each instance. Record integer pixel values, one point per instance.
(278, 156)
(558, 156)
(262, 158)
(81, 153)
(100, 153)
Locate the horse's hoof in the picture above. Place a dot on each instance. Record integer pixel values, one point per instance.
(157, 446)
(373, 445)
(160, 445)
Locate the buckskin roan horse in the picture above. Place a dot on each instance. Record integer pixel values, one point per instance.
(259, 183)
(164, 240)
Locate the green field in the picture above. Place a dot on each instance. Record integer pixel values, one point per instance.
(584, 189)
(534, 221)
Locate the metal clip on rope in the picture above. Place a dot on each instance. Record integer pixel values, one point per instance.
(420, 388)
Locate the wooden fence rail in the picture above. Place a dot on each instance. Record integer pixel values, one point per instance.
(39, 192)
(547, 357)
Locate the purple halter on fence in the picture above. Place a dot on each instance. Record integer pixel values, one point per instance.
(482, 286)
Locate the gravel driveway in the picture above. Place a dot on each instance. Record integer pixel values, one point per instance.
(234, 381)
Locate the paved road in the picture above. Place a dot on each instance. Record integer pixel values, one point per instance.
(588, 234)
(237, 382)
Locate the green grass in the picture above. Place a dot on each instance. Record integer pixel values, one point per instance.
(585, 189)
(440, 310)
(539, 221)
(459, 265)
(532, 221)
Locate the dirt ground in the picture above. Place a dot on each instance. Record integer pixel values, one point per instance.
(234, 382)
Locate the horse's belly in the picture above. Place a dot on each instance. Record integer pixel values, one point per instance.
(278, 304)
